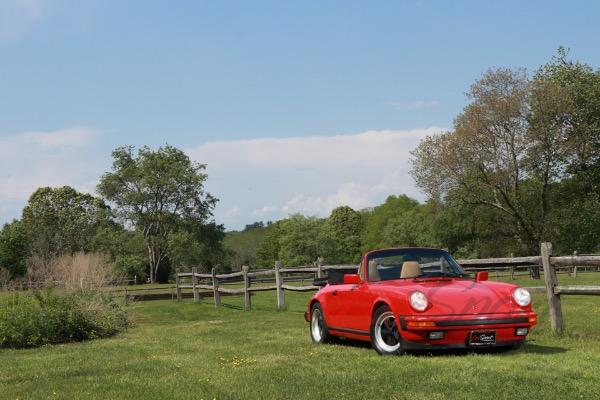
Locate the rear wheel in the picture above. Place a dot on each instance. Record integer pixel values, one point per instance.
(385, 336)
(318, 327)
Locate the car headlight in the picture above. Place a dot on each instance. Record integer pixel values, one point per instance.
(522, 297)
(418, 301)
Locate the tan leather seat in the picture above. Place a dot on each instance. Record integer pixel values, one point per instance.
(373, 273)
(410, 269)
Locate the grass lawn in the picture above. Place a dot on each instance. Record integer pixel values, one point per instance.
(193, 351)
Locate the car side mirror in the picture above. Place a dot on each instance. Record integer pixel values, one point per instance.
(351, 279)
(481, 276)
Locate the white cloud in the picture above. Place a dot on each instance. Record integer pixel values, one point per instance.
(232, 212)
(256, 179)
(374, 148)
(17, 17)
(263, 211)
(54, 158)
(72, 137)
(310, 175)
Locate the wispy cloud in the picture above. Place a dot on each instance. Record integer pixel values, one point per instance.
(263, 211)
(414, 105)
(256, 179)
(230, 215)
(72, 137)
(269, 178)
(53, 158)
(17, 17)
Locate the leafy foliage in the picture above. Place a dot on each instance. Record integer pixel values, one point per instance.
(199, 246)
(127, 250)
(45, 317)
(157, 192)
(243, 244)
(62, 220)
(13, 248)
(342, 231)
(516, 146)
(295, 241)
(380, 217)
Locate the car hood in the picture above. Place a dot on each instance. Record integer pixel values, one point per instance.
(458, 296)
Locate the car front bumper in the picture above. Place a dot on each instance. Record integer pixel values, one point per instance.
(456, 330)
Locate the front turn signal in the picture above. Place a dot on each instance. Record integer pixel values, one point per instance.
(420, 324)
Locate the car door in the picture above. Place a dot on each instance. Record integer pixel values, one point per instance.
(336, 309)
(355, 308)
(338, 299)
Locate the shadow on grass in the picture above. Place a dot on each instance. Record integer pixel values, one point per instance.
(528, 348)
(232, 306)
(532, 348)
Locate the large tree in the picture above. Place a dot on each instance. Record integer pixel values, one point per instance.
(13, 248)
(487, 158)
(345, 226)
(379, 217)
(62, 220)
(200, 245)
(575, 102)
(297, 241)
(516, 143)
(157, 192)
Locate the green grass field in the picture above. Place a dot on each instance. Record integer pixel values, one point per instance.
(193, 351)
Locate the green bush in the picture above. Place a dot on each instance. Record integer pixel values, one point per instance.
(47, 316)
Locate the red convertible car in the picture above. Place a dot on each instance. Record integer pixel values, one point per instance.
(419, 299)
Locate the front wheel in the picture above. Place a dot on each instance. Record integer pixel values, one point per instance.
(385, 336)
(318, 327)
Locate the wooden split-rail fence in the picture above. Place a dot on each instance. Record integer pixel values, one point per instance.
(549, 264)
(246, 277)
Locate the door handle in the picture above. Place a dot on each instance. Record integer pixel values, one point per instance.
(354, 287)
(335, 293)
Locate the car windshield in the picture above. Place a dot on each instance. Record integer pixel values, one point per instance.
(411, 263)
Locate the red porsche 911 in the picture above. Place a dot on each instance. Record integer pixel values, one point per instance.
(419, 299)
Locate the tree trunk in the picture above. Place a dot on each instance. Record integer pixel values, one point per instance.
(151, 263)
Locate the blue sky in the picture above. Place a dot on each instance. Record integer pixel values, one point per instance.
(295, 106)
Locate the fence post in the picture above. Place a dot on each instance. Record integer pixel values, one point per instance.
(320, 267)
(247, 299)
(575, 267)
(512, 268)
(215, 284)
(554, 307)
(278, 283)
(194, 285)
(177, 284)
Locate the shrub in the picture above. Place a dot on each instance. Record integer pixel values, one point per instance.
(72, 271)
(47, 317)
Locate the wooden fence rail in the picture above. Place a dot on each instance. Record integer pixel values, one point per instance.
(550, 265)
(278, 273)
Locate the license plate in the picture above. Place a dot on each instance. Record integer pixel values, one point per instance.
(486, 338)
